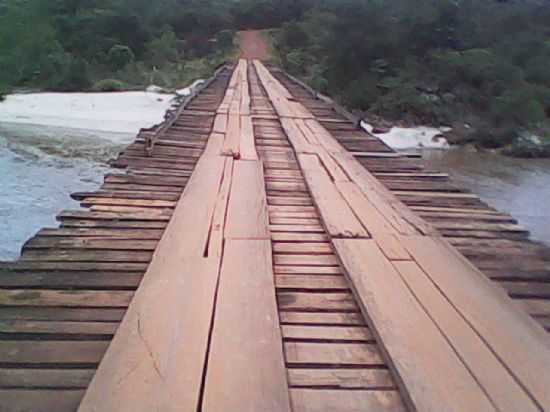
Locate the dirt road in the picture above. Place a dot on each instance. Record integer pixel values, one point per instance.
(253, 45)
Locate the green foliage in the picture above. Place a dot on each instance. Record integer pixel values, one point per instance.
(72, 44)
(3, 92)
(224, 39)
(119, 56)
(109, 85)
(441, 62)
(163, 49)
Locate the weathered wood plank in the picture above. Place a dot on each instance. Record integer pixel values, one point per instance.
(311, 400)
(44, 400)
(142, 370)
(326, 354)
(397, 317)
(522, 346)
(247, 211)
(373, 379)
(246, 340)
(336, 213)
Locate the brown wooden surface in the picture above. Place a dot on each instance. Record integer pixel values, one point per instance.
(246, 350)
(476, 363)
(63, 301)
(397, 318)
(192, 340)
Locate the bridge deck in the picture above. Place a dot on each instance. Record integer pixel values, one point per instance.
(270, 256)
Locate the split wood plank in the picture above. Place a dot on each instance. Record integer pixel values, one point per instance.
(418, 358)
(246, 370)
(400, 216)
(492, 375)
(231, 144)
(247, 145)
(371, 218)
(522, 346)
(337, 215)
(150, 358)
(247, 212)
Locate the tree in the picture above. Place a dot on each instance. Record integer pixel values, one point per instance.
(119, 56)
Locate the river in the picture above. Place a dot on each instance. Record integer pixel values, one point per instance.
(520, 187)
(44, 157)
(53, 144)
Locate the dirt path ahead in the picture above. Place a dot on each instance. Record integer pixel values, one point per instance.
(253, 45)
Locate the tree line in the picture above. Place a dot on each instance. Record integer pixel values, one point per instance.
(482, 67)
(479, 66)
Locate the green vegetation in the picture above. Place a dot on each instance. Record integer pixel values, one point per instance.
(444, 62)
(71, 45)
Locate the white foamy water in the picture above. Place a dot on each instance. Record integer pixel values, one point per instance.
(418, 137)
(52, 144)
(123, 112)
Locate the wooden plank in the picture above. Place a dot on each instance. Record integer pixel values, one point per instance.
(231, 144)
(393, 209)
(397, 317)
(321, 318)
(337, 216)
(326, 354)
(522, 346)
(500, 386)
(61, 314)
(246, 340)
(373, 379)
(311, 283)
(45, 378)
(44, 400)
(305, 260)
(308, 270)
(51, 352)
(291, 301)
(74, 329)
(145, 368)
(220, 124)
(391, 247)
(326, 333)
(71, 280)
(247, 211)
(68, 298)
(375, 222)
(298, 237)
(247, 145)
(311, 400)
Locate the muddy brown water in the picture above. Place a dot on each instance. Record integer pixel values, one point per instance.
(520, 187)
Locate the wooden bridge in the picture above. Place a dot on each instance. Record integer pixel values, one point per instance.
(262, 253)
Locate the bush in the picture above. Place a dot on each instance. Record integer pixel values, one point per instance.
(225, 39)
(518, 106)
(493, 138)
(163, 49)
(109, 85)
(66, 73)
(119, 56)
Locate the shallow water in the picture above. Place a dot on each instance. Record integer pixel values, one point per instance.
(37, 174)
(45, 155)
(520, 187)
